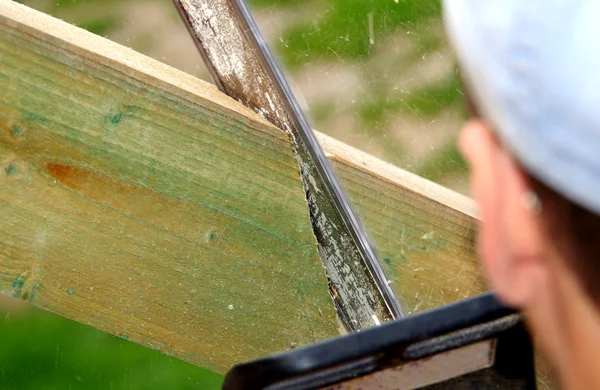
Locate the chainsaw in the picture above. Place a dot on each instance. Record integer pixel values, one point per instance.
(476, 343)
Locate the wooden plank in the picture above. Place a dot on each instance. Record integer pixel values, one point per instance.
(352, 269)
(425, 232)
(144, 202)
(140, 200)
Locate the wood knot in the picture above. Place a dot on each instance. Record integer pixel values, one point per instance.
(17, 131)
(11, 169)
(116, 118)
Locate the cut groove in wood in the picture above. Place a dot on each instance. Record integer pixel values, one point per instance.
(425, 233)
(232, 53)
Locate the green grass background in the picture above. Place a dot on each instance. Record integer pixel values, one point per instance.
(42, 351)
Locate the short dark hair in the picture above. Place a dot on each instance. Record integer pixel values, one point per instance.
(575, 232)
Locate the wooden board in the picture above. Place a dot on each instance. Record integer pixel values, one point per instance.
(425, 233)
(231, 55)
(140, 200)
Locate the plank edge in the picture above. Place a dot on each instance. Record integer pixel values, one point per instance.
(344, 153)
(120, 55)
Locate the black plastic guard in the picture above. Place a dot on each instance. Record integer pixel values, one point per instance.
(385, 356)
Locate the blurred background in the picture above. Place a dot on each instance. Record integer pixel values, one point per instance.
(376, 74)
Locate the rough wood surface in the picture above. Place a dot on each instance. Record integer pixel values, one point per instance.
(425, 233)
(140, 200)
(361, 297)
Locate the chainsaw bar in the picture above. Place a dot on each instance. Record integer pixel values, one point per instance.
(244, 68)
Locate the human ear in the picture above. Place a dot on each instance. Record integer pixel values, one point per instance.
(508, 233)
(519, 273)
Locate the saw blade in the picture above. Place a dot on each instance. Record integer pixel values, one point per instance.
(243, 67)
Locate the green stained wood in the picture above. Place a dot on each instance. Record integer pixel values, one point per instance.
(129, 182)
(425, 233)
(141, 201)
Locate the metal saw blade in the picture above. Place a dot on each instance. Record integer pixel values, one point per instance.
(244, 68)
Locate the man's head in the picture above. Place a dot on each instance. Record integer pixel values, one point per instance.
(532, 70)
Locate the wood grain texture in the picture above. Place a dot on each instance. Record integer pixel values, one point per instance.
(230, 51)
(141, 201)
(425, 233)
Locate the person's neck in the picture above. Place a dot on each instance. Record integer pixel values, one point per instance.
(566, 323)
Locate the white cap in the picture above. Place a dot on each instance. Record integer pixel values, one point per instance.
(533, 67)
